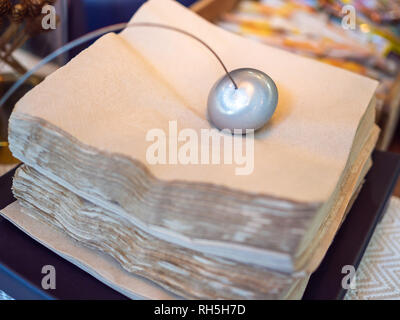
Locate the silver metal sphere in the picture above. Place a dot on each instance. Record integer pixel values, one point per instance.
(250, 106)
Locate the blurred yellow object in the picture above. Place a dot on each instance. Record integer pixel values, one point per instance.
(365, 28)
(6, 81)
(5, 154)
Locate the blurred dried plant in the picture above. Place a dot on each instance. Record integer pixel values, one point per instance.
(19, 20)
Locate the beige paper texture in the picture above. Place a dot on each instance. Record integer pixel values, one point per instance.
(99, 265)
(124, 86)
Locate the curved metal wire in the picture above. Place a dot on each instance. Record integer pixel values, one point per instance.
(94, 34)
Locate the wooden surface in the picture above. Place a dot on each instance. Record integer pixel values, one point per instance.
(395, 148)
(389, 116)
(4, 168)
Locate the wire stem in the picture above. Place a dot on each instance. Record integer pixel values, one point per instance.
(94, 34)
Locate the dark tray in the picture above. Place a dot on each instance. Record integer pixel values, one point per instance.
(22, 258)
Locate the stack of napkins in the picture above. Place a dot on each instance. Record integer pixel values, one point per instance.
(242, 230)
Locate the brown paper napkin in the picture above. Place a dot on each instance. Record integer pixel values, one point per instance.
(125, 85)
